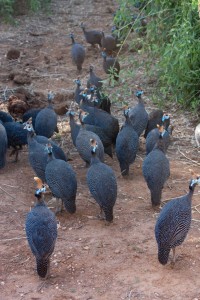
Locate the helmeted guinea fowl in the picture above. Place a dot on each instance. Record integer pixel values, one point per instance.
(173, 223)
(154, 134)
(107, 142)
(102, 183)
(156, 170)
(154, 119)
(197, 135)
(92, 37)
(83, 143)
(78, 91)
(36, 153)
(73, 126)
(103, 119)
(61, 180)
(138, 115)
(94, 79)
(31, 113)
(17, 137)
(41, 232)
(3, 145)
(127, 144)
(77, 53)
(108, 42)
(5, 117)
(46, 119)
(111, 65)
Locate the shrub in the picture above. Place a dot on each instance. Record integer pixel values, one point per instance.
(172, 40)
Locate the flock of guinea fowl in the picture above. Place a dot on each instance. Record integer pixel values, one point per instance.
(98, 133)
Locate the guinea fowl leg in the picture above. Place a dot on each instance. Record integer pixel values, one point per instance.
(101, 214)
(58, 206)
(173, 257)
(14, 151)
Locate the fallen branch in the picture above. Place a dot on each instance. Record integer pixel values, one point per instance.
(7, 193)
(13, 239)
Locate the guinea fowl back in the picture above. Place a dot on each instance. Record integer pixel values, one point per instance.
(127, 144)
(108, 42)
(102, 183)
(16, 137)
(92, 37)
(156, 170)
(61, 180)
(46, 119)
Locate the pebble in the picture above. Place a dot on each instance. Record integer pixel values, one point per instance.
(117, 251)
(86, 248)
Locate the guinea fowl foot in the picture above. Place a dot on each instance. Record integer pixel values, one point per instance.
(173, 258)
(14, 151)
(59, 208)
(101, 215)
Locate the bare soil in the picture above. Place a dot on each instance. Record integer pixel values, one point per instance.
(91, 260)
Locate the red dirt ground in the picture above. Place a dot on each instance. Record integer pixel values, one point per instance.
(91, 260)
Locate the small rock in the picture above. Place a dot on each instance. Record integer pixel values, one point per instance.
(117, 251)
(86, 248)
(13, 54)
(22, 79)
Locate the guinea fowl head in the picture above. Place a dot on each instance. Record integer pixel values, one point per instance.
(28, 125)
(126, 111)
(70, 113)
(50, 96)
(194, 181)
(165, 117)
(161, 129)
(72, 38)
(94, 146)
(103, 54)
(48, 148)
(82, 26)
(78, 82)
(139, 93)
(40, 188)
(82, 116)
(91, 69)
(166, 120)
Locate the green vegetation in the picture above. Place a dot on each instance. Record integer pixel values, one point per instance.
(8, 8)
(172, 40)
